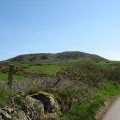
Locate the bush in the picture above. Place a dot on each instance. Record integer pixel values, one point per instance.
(88, 72)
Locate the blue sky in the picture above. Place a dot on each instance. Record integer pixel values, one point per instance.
(35, 26)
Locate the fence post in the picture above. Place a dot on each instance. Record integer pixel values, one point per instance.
(10, 75)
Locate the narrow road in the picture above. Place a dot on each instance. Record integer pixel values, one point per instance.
(114, 111)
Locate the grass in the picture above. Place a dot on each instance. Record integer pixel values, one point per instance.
(4, 77)
(45, 68)
(95, 84)
(19, 77)
(87, 110)
(42, 68)
(5, 97)
(103, 82)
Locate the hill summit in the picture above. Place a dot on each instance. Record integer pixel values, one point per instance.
(52, 57)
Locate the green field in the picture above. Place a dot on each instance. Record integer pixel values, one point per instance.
(89, 86)
(45, 68)
(4, 77)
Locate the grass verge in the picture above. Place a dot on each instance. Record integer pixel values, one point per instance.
(88, 109)
(5, 97)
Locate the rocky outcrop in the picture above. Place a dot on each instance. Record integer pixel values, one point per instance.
(4, 115)
(13, 114)
(42, 106)
(34, 107)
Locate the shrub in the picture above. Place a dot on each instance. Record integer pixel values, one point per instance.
(88, 72)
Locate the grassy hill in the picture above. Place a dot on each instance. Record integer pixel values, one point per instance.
(57, 57)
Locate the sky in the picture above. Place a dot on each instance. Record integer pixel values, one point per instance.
(51, 26)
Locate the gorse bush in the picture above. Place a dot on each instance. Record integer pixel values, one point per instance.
(88, 72)
(92, 73)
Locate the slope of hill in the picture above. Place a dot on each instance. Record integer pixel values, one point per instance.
(49, 57)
